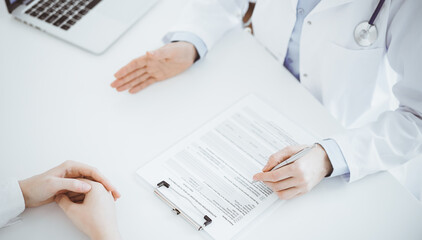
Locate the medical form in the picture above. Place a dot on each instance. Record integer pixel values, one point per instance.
(210, 171)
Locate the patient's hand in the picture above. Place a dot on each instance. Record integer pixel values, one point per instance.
(94, 214)
(41, 189)
(158, 65)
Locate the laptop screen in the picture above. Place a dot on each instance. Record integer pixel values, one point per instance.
(12, 4)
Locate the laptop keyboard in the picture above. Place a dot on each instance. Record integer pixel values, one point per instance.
(61, 13)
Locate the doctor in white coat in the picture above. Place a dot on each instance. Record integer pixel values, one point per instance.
(316, 41)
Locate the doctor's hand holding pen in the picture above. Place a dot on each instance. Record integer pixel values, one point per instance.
(297, 177)
(158, 65)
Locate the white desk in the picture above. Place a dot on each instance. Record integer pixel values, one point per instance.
(56, 104)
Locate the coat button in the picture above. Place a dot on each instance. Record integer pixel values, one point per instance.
(300, 11)
(305, 75)
(309, 23)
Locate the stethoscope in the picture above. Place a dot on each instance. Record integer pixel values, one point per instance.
(366, 33)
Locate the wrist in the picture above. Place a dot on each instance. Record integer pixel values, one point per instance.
(192, 51)
(23, 184)
(195, 54)
(328, 168)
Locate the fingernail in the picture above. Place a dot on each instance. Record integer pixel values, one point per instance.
(118, 195)
(85, 187)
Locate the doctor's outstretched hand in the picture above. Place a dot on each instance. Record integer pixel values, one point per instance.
(158, 65)
(298, 177)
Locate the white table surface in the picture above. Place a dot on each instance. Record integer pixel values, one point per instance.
(56, 104)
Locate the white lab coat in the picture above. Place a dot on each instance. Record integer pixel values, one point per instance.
(349, 80)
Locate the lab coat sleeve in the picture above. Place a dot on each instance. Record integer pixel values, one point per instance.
(11, 201)
(396, 136)
(336, 158)
(199, 45)
(209, 20)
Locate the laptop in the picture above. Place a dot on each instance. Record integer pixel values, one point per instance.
(93, 25)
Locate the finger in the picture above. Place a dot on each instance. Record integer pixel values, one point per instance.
(97, 185)
(151, 55)
(274, 176)
(94, 184)
(142, 85)
(73, 185)
(281, 155)
(134, 82)
(288, 193)
(76, 169)
(98, 188)
(132, 66)
(283, 184)
(128, 78)
(64, 203)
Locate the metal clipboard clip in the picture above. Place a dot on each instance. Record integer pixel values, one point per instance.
(178, 211)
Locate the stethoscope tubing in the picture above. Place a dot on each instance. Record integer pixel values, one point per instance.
(376, 12)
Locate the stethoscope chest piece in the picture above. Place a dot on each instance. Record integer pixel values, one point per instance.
(365, 34)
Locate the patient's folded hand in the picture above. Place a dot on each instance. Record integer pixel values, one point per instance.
(93, 213)
(41, 189)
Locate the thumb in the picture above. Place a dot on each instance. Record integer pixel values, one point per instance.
(280, 156)
(166, 51)
(64, 202)
(73, 185)
(275, 159)
(156, 54)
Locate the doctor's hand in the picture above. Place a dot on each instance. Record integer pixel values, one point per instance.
(41, 189)
(95, 215)
(298, 177)
(158, 65)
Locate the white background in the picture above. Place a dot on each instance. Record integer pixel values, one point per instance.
(56, 104)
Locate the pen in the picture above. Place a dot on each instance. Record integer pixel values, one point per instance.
(292, 158)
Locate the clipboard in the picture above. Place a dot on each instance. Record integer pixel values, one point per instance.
(206, 177)
(197, 225)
